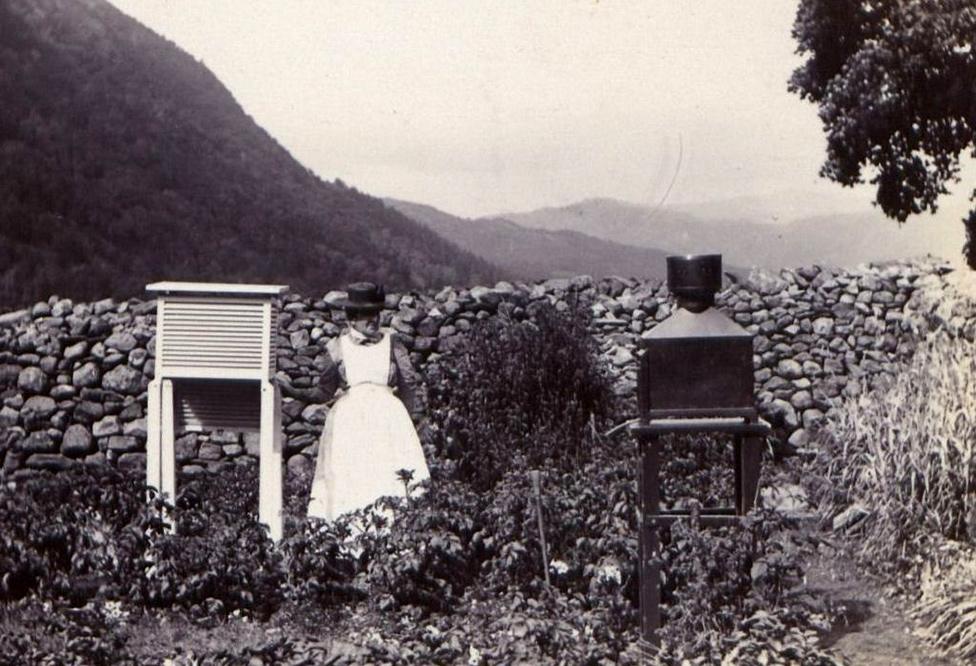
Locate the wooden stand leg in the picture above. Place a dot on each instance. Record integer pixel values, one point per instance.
(748, 473)
(737, 472)
(167, 458)
(650, 565)
(154, 435)
(270, 491)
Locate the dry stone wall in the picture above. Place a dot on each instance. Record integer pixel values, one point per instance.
(73, 376)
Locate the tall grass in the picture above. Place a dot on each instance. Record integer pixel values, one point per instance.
(906, 451)
(946, 611)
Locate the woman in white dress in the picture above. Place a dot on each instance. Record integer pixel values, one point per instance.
(368, 435)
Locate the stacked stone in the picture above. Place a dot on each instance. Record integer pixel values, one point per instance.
(73, 376)
(73, 380)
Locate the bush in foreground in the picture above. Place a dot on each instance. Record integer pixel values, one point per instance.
(457, 573)
(532, 387)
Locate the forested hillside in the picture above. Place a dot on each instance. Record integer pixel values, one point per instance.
(123, 160)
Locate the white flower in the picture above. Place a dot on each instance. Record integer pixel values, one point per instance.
(609, 573)
(474, 656)
(558, 567)
(113, 609)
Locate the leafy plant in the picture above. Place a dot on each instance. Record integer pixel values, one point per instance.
(534, 387)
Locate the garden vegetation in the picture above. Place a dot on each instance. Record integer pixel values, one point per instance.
(452, 574)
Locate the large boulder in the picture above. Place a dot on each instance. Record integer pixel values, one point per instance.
(88, 411)
(107, 426)
(76, 351)
(9, 417)
(11, 319)
(122, 341)
(39, 442)
(764, 282)
(37, 410)
(123, 444)
(86, 376)
(186, 447)
(53, 462)
(32, 380)
(123, 379)
(132, 462)
(9, 374)
(77, 441)
(315, 414)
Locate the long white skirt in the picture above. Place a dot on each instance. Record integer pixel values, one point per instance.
(368, 436)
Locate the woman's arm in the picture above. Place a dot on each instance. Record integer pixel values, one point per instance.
(331, 378)
(406, 380)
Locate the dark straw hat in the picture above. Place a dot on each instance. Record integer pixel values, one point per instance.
(364, 297)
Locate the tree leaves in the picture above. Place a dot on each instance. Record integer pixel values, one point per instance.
(896, 86)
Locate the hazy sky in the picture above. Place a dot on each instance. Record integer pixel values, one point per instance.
(486, 107)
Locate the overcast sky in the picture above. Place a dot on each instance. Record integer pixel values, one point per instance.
(486, 107)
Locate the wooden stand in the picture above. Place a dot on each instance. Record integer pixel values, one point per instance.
(748, 432)
(215, 367)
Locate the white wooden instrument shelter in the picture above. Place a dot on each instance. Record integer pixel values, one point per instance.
(215, 368)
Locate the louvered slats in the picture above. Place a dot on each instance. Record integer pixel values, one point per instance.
(211, 336)
(273, 360)
(209, 405)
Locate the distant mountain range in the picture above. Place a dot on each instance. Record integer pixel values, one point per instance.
(530, 254)
(123, 160)
(738, 231)
(609, 237)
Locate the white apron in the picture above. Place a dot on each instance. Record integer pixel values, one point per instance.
(368, 436)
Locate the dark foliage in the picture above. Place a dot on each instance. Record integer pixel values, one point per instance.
(123, 160)
(894, 81)
(717, 577)
(534, 387)
(73, 536)
(87, 636)
(220, 559)
(440, 572)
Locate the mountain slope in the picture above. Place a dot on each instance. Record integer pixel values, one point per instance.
(842, 239)
(530, 254)
(123, 160)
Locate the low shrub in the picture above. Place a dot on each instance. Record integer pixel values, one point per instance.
(34, 633)
(716, 578)
(320, 568)
(531, 387)
(696, 468)
(73, 535)
(452, 574)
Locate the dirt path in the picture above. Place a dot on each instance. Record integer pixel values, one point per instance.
(878, 630)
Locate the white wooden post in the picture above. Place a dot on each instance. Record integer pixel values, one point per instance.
(270, 491)
(154, 432)
(215, 368)
(168, 453)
